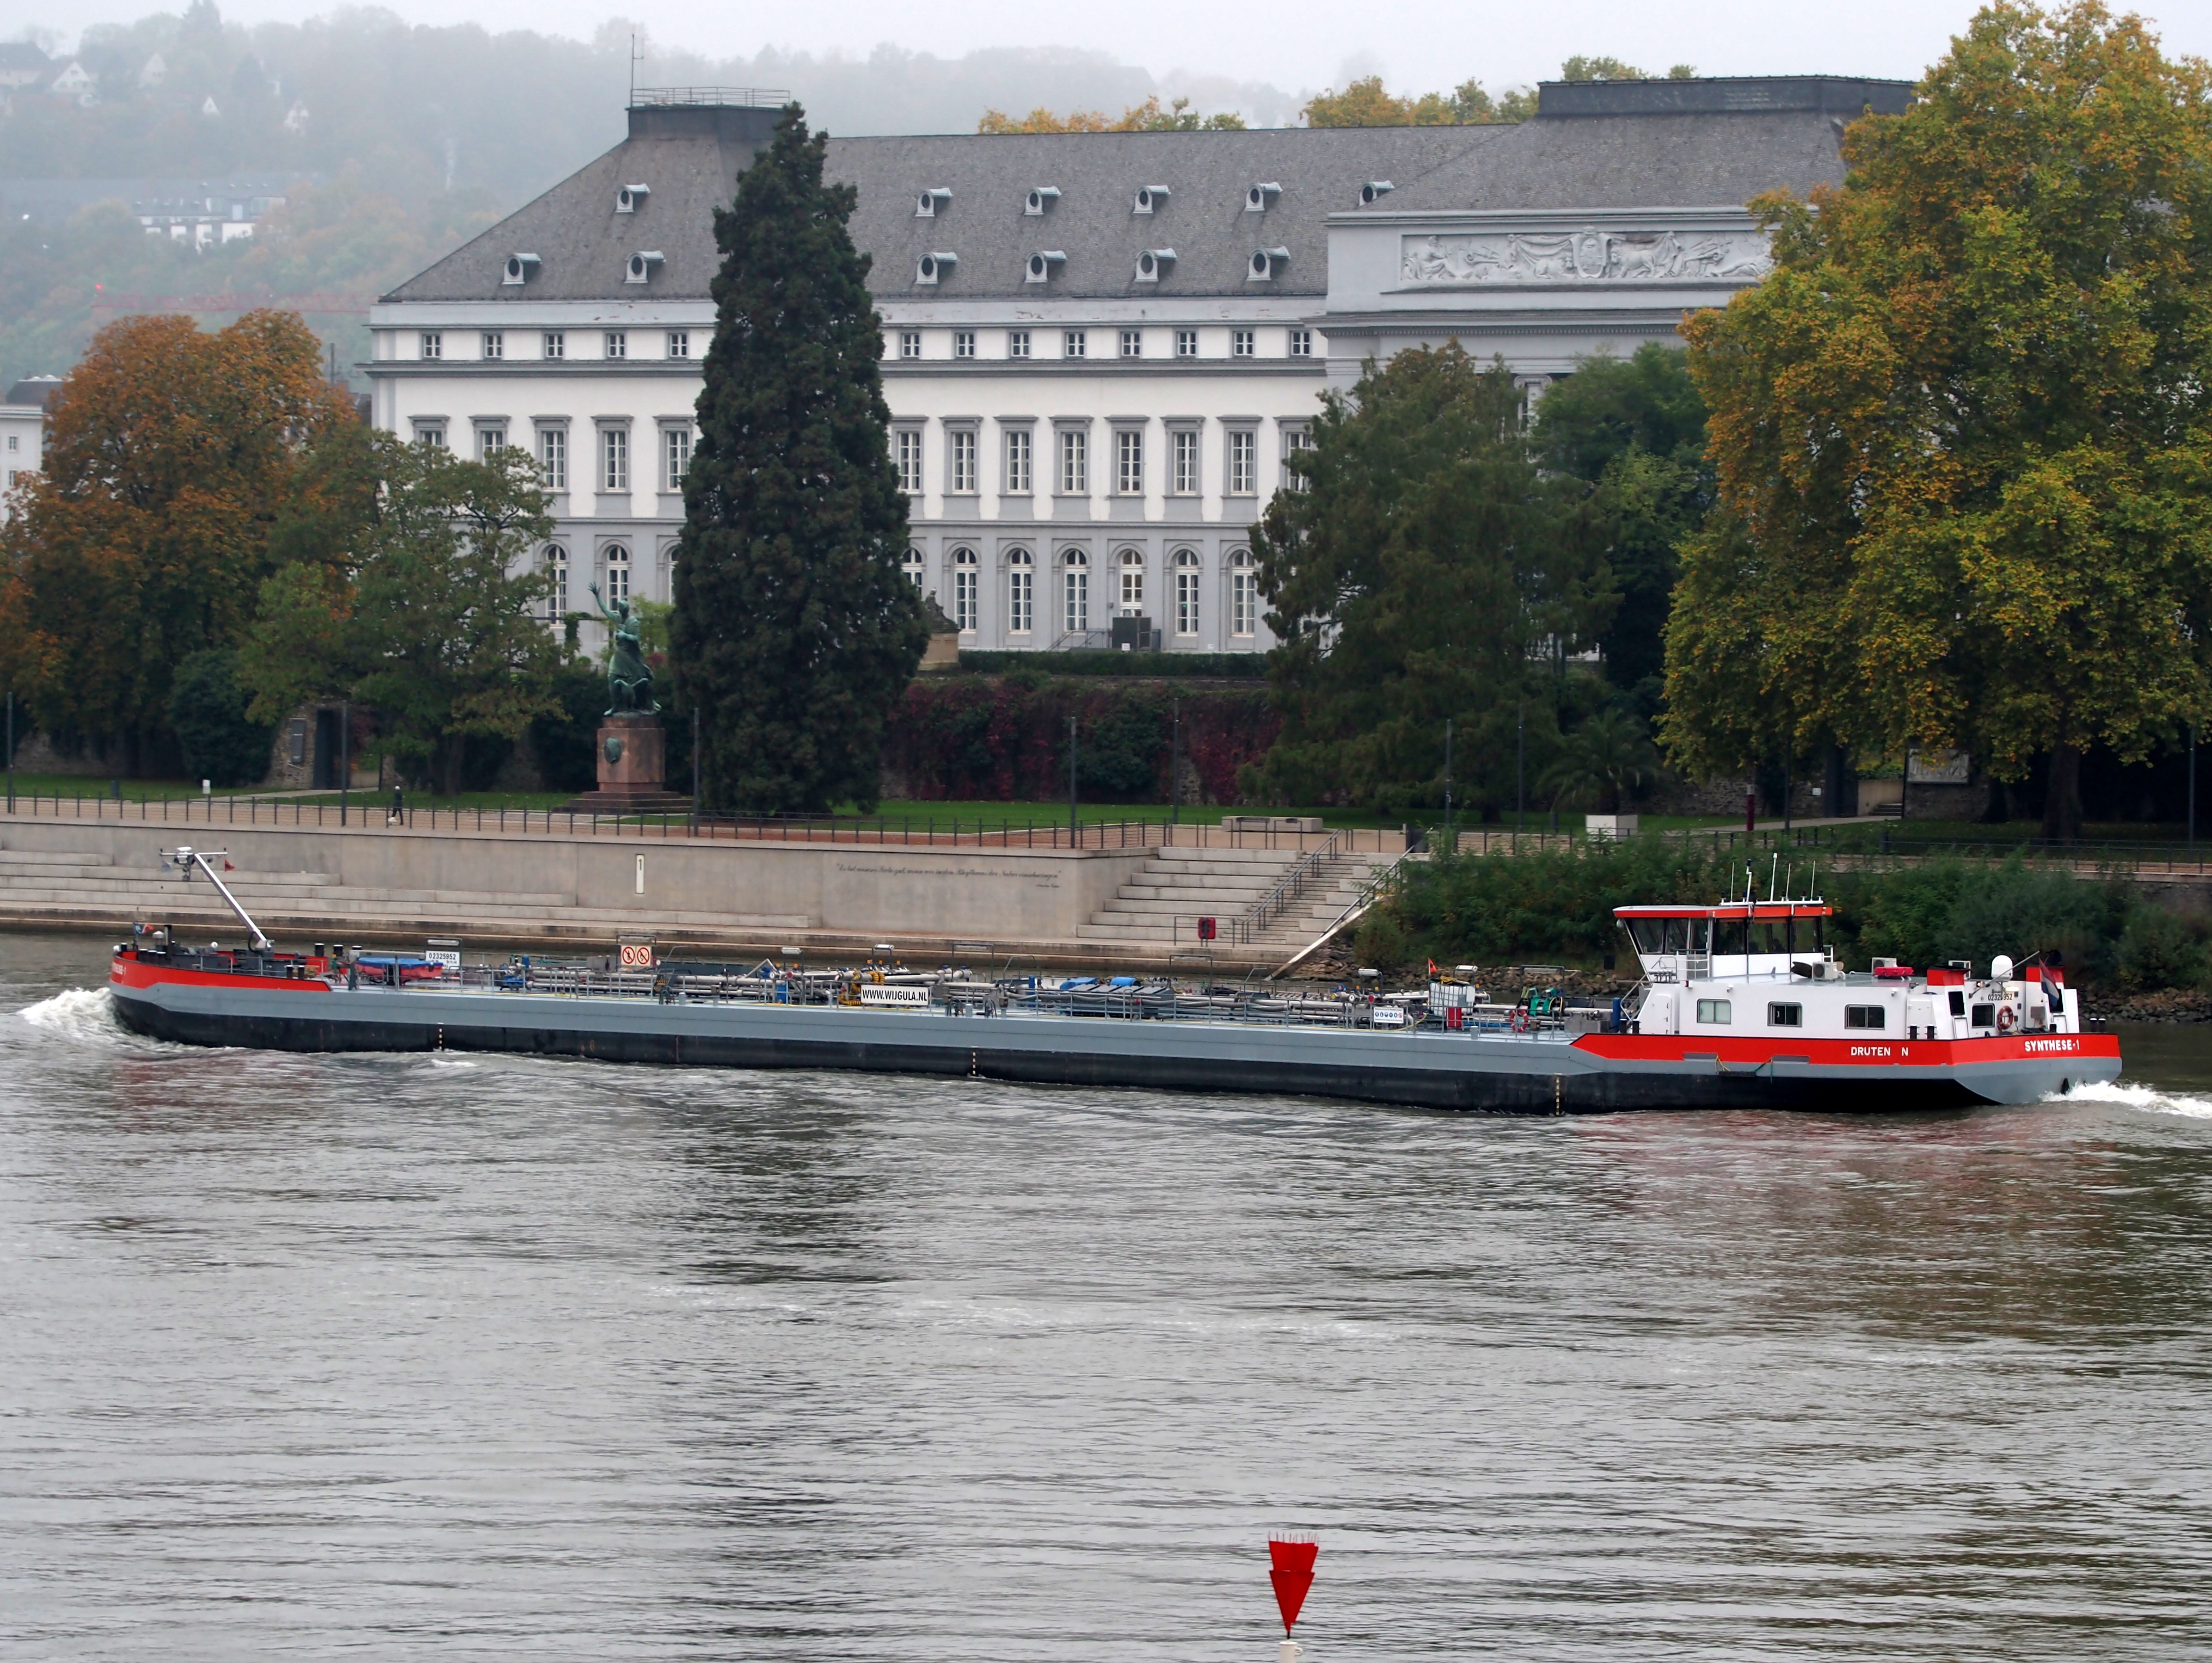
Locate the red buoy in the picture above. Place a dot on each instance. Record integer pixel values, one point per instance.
(1291, 1570)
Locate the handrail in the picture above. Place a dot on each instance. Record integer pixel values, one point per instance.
(1369, 893)
(1292, 884)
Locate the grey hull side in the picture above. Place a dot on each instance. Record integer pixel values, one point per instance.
(1525, 1074)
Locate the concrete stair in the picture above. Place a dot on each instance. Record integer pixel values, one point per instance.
(1157, 909)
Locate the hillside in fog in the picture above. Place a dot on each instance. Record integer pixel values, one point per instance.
(395, 142)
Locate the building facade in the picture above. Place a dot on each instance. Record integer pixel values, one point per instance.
(1099, 349)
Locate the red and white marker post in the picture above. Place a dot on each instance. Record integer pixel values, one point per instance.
(1291, 1567)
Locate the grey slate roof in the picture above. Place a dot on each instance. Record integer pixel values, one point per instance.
(690, 158)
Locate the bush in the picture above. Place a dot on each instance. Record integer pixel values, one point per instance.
(566, 745)
(207, 708)
(2158, 950)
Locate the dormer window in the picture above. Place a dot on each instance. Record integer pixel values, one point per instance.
(930, 267)
(1260, 197)
(1151, 199)
(1153, 263)
(1043, 265)
(631, 197)
(1374, 190)
(1040, 199)
(1265, 262)
(521, 269)
(927, 205)
(642, 265)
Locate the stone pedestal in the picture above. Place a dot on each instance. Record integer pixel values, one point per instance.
(633, 762)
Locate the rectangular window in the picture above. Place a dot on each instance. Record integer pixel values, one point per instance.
(553, 457)
(1184, 477)
(1186, 343)
(1078, 596)
(1244, 601)
(432, 436)
(1074, 343)
(909, 443)
(1715, 1012)
(491, 441)
(675, 456)
(1241, 343)
(1017, 462)
(1017, 344)
(556, 343)
(1133, 343)
(967, 581)
(494, 343)
(909, 343)
(1302, 343)
(1186, 602)
(679, 343)
(1243, 462)
(1074, 464)
(433, 343)
(614, 459)
(1985, 1015)
(617, 344)
(1871, 1016)
(1296, 442)
(1958, 1004)
(1129, 461)
(1021, 600)
(963, 460)
(1785, 1015)
(963, 344)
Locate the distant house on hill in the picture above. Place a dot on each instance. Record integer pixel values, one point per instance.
(155, 72)
(77, 82)
(23, 65)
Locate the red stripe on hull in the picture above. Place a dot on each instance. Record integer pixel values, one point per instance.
(125, 971)
(1848, 1053)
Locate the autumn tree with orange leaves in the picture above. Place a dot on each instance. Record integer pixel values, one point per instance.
(1963, 431)
(176, 462)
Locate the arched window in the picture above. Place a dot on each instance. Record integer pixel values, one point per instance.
(556, 569)
(967, 589)
(1133, 582)
(617, 572)
(1186, 592)
(1021, 592)
(1076, 576)
(1243, 594)
(912, 567)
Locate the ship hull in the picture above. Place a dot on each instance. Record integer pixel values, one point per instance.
(1537, 1073)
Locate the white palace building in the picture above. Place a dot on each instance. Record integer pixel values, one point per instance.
(1097, 347)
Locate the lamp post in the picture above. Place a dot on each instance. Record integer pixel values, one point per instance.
(345, 758)
(695, 768)
(1071, 783)
(1174, 765)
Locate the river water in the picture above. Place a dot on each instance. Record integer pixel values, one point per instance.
(397, 1356)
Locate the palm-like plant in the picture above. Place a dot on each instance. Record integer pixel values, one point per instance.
(1609, 754)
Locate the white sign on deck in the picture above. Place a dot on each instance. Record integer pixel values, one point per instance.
(906, 998)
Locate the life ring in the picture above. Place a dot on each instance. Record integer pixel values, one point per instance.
(1520, 1020)
(2004, 1019)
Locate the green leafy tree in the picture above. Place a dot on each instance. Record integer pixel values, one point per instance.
(425, 610)
(1961, 431)
(1369, 103)
(1422, 567)
(794, 630)
(220, 741)
(172, 456)
(1609, 755)
(1634, 429)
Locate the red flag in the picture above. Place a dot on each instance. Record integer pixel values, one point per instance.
(1291, 1570)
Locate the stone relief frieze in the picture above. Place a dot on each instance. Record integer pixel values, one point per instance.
(1585, 256)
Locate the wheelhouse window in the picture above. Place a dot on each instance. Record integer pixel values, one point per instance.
(1872, 1018)
(1785, 1015)
(1718, 1012)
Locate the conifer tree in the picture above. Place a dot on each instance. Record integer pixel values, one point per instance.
(794, 631)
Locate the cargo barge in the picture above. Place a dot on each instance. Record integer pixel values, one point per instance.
(1733, 1011)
